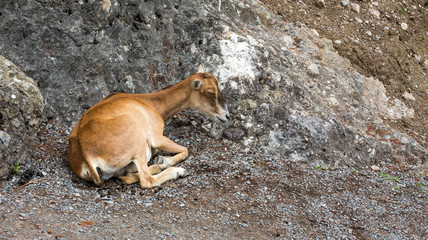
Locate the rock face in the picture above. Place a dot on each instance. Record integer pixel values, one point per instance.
(21, 106)
(288, 90)
(80, 51)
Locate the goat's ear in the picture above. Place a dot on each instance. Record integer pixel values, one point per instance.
(201, 68)
(196, 84)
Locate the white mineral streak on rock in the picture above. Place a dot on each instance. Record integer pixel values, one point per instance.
(238, 59)
(252, 41)
(399, 110)
(288, 41)
(313, 70)
(332, 102)
(375, 96)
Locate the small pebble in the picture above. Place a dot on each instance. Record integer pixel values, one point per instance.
(355, 7)
(358, 20)
(418, 58)
(375, 168)
(234, 134)
(374, 12)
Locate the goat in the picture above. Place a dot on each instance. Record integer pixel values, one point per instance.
(116, 137)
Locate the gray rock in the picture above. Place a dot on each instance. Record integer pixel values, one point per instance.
(234, 134)
(355, 7)
(4, 138)
(280, 113)
(320, 3)
(21, 108)
(358, 20)
(344, 3)
(337, 42)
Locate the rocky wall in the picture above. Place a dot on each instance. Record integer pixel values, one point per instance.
(289, 92)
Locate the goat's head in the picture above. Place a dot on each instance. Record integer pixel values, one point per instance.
(207, 97)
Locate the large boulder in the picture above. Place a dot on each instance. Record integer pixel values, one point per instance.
(21, 106)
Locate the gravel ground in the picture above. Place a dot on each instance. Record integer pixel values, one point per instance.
(228, 195)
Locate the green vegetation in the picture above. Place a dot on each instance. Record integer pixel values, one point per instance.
(16, 168)
(320, 167)
(391, 178)
(405, 9)
(419, 187)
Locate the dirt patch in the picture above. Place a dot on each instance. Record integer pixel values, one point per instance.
(384, 39)
(228, 195)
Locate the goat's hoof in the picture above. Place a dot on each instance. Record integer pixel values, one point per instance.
(181, 172)
(185, 173)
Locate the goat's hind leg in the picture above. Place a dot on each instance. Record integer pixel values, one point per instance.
(148, 181)
(169, 174)
(130, 178)
(133, 177)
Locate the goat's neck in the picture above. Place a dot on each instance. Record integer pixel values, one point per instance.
(171, 100)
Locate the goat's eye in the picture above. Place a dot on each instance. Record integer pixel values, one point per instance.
(211, 93)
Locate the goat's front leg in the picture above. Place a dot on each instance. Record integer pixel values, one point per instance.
(167, 145)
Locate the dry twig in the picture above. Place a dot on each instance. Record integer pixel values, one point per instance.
(28, 183)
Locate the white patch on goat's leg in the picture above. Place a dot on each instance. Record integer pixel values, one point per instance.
(168, 161)
(164, 160)
(148, 152)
